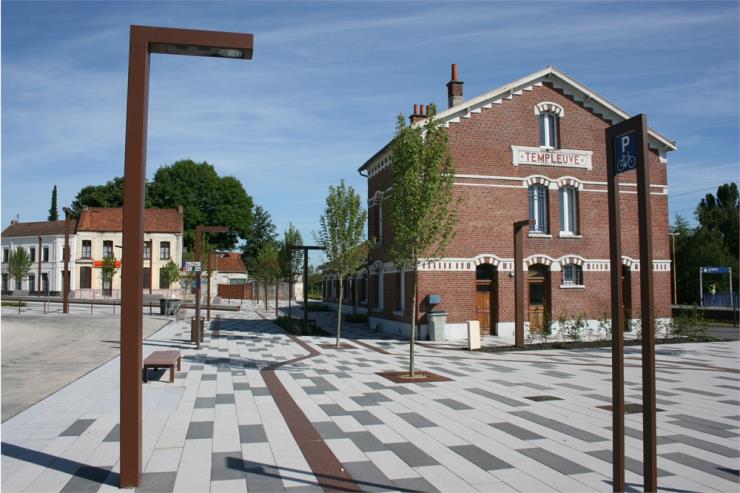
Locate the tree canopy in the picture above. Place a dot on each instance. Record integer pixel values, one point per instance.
(291, 262)
(262, 232)
(53, 212)
(19, 263)
(206, 198)
(714, 242)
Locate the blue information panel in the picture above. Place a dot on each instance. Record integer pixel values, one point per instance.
(625, 152)
(715, 270)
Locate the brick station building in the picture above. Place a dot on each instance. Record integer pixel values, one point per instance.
(534, 148)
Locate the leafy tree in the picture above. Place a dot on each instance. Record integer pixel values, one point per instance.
(262, 232)
(170, 274)
(206, 199)
(421, 212)
(108, 195)
(107, 272)
(53, 212)
(342, 236)
(291, 262)
(19, 264)
(267, 269)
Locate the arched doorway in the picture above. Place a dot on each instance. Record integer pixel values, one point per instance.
(539, 297)
(485, 298)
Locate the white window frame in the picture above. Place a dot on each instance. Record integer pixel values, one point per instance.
(548, 130)
(569, 211)
(538, 208)
(572, 283)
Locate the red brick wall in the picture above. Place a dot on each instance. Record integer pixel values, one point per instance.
(481, 145)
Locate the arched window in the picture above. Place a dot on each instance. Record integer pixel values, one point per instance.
(538, 208)
(572, 275)
(569, 210)
(548, 130)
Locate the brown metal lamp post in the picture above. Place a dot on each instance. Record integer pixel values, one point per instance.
(519, 281)
(305, 279)
(66, 277)
(144, 41)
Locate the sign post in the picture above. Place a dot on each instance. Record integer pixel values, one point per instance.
(627, 149)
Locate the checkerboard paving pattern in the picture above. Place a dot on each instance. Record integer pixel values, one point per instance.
(525, 421)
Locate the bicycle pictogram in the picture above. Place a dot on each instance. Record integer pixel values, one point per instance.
(626, 162)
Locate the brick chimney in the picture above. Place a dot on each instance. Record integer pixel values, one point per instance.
(418, 114)
(454, 89)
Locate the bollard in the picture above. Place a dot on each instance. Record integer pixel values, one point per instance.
(473, 334)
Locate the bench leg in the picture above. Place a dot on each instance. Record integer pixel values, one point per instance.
(172, 374)
(146, 375)
(178, 363)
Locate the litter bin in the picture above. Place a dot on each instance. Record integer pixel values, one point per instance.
(436, 323)
(162, 306)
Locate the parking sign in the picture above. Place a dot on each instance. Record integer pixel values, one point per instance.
(625, 152)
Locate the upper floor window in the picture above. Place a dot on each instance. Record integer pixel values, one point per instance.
(147, 250)
(569, 210)
(164, 250)
(538, 208)
(46, 254)
(32, 253)
(86, 249)
(549, 130)
(107, 249)
(6, 253)
(572, 275)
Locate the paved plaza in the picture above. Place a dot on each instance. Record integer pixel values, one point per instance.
(261, 411)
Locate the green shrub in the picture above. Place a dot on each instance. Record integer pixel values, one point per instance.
(318, 307)
(605, 325)
(356, 318)
(294, 326)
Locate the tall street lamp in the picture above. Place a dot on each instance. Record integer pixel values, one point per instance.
(142, 42)
(199, 230)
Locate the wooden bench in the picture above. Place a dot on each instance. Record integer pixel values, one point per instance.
(162, 359)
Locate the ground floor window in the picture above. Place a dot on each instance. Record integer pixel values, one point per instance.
(31, 282)
(5, 282)
(572, 275)
(85, 277)
(147, 280)
(162, 283)
(45, 282)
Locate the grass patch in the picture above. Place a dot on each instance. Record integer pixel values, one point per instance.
(356, 318)
(14, 304)
(294, 326)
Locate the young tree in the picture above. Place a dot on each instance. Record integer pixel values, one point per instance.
(170, 274)
(422, 215)
(19, 264)
(107, 272)
(342, 237)
(263, 231)
(53, 212)
(268, 269)
(290, 260)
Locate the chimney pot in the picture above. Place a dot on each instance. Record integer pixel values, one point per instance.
(454, 89)
(179, 209)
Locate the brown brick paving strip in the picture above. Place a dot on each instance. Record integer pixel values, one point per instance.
(325, 466)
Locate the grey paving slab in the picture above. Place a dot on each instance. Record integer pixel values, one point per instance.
(366, 441)
(200, 429)
(554, 461)
(365, 418)
(224, 398)
(727, 473)
(698, 443)
(329, 430)
(333, 410)
(114, 435)
(415, 485)
(497, 397)
(88, 479)
(368, 477)
(262, 477)
(252, 434)
(416, 420)
(77, 428)
(578, 433)
(205, 402)
(453, 404)
(480, 457)
(516, 431)
(630, 464)
(226, 466)
(157, 482)
(411, 454)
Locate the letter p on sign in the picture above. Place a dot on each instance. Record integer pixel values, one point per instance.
(625, 142)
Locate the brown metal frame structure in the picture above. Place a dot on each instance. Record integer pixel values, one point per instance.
(305, 278)
(519, 281)
(142, 42)
(66, 276)
(39, 259)
(638, 125)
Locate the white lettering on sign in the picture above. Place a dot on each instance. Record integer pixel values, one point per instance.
(625, 142)
(567, 158)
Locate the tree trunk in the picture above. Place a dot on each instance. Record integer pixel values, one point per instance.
(339, 311)
(277, 297)
(414, 282)
(264, 283)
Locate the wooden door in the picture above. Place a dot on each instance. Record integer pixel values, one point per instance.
(539, 298)
(483, 292)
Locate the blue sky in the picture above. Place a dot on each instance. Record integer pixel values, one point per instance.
(328, 79)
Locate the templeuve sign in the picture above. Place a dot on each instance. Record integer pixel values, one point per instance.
(537, 156)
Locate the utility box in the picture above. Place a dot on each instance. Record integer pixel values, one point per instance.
(473, 334)
(436, 323)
